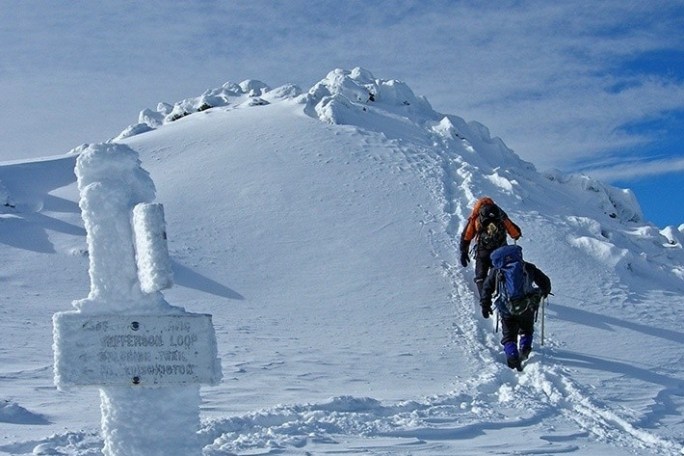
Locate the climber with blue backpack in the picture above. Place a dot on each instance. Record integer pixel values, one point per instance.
(517, 288)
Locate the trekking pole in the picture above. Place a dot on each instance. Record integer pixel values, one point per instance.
(496, 329)
(543, 304)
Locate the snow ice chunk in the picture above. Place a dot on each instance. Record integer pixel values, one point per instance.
(133, 130)
(151, 118)
(506, 393)
(286, 91)
(502, 182)
(674, 237)
(605, 252)
(254, 88)
(5, 199)
(362, 75)
(164, 108)
(445, 128)
(625, 203)
(343, 96)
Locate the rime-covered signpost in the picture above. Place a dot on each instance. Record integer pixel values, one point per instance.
(147, 357)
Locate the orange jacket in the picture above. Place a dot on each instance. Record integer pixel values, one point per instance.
(472, 227)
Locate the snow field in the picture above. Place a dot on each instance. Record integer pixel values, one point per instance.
(327, 254)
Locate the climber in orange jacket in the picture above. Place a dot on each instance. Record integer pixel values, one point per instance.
(488, 225)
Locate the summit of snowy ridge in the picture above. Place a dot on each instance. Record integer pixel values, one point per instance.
(486, 166)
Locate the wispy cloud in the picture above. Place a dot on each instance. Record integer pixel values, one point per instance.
(557, 81)
(638, 169)
(554, 80)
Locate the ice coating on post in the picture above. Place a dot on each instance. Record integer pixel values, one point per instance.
(152, 254)
(135, 421)
(111, 182)
(150, 421)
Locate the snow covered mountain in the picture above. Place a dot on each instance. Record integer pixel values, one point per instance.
(320, 229)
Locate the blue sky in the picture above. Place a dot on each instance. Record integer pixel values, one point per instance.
(596, 87)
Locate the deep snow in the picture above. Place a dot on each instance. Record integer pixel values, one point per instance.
(320, 231)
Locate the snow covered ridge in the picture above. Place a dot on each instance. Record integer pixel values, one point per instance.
(340, 88)
(337, 99)
(391, 108)
(247, 93)
(352, 97)
(357, 98)
(465, 159)
(617, 203)
(465, 154)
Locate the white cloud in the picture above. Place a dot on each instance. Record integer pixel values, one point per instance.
(543, 78)
(541, 75)
(635, 170)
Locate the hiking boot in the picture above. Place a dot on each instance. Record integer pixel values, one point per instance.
(525, 352)
(511, 350)
(514, 363)
(512, 356)
(525, 346)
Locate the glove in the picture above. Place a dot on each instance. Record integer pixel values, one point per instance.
(486, 308)
(465, 259)
(464, 246)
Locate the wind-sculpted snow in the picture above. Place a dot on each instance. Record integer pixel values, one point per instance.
(492, 401)
(5, 199)
(321, 230)
(11, 412)
(343, 92)
(230, 95)
(617, 203)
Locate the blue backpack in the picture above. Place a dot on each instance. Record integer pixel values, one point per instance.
(515, 293)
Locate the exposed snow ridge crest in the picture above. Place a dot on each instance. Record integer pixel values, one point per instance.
(247, 93)
(357, 98)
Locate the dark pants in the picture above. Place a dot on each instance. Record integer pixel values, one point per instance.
(483, 264)
(511, 326)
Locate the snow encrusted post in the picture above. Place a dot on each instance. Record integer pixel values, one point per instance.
(152, 254)
(147, 356)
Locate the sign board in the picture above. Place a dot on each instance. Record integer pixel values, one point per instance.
(145, 350)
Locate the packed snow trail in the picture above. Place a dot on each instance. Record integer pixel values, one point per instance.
(540, 383)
